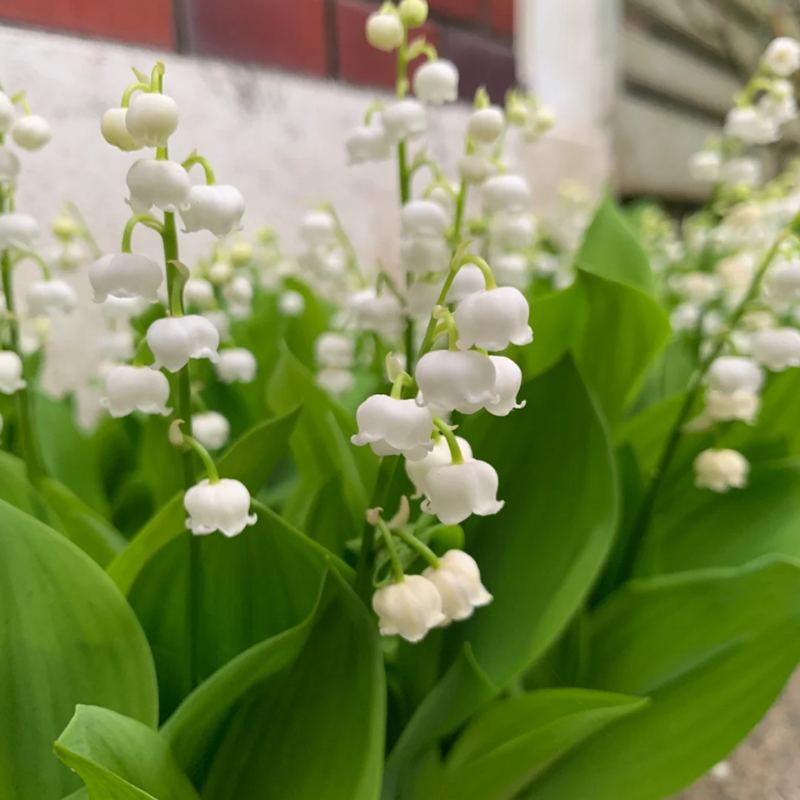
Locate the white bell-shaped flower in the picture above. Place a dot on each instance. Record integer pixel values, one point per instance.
(122, 308)
(369, 143)
(423, 218)
(125, 276)
(291, 304)
(506, 193)
(391, 426)
(456, 381)
(458, 580)
(474, 168)
(8, 113)
(117, 345)
(9, 166)
(469, 279)
(11, 379)
(336, 381)
(744, 171)
(18, 230)
(318, 229)
(115, 130)
(750, 126)
(223, 506)
(782, 56)
(734, 373)
(136, 388)
(404, 121)
(696, 287)
(685, 316)
(410, 608)
(31, 132)
(238, 292)
(436, 82)
(211, 429)
(506, 387)
(334, 351)
(199, 292)
(721, 470)
(163, 184)
(513, 231)
(439, 456)
(424, 254)
(456, 491)
(492, 319)
(777, 349)
(174, 340)
(236, 365)
(385, 30)
(216, 208)
(783, 282)
(46, 298)
(71, 255)
(422, 296)
(220, 273)
(728, 406)
(486, 124)
(705, 166)
(376, 313)
(151, 119)
(511, 269)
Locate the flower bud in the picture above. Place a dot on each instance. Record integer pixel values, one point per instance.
(336, 381)
(174, 340)
(391, 426)
(507, 384)
(236, 365)
(10, 372)
(511, 269)
(486, 124)
(7, 113)
(439, 456)
(458, 580)
(218, 209)
(385, 30)
(777, 349)
(456, 381)
(163, 184)
(211, 429)
(732, 373)
(132, 388)
(115, 131)
(318, 229)
(492, 319)
(410, 608)
(31, 132)
(456, 491)
(220, 273)
(705, 166)
(404, 121)
(151, 119)
(291, 304)
(241, 252)
(9, 166)
(413, 13)
(238, 292)
(436, 82)
(71, 255)
(221, 506)
(474, 168)
(423, 218)
(783, 56)
(46, 298)
(18, 230)
(198, 292)
(369, 143)
(335, 351)
(721, 470)
(506, 193)
(125, 275)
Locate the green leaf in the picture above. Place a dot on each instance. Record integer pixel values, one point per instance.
(313, 729)
(14, 486)
(160, 464)
(712, 649)
(251, 460)
(706, 529)
(515, 740)
(67, 636)
(541, 554)
(119, 758)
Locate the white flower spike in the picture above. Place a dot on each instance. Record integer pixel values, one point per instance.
(369, 143)
(151, 119)
(423, 218)
(211, 429)
(216, 208)
(222, 506)
(318, 229)
(721, 470)
(456, 381)
(783, 56)
(136, 388)
(199, 292)
(733, 373)
(492, 319)
(46, 298)
(436, 82)
(334, 351)
(725, 407)
(509, 380)
(336, 381)
(391, 426)
(31, 132)
(236, 365)
(506, 193)
(440, 456)
(163, 184)
(410, 608)
(115, 131)
(456, 491)
(125, 276)
(458, 580)
(238, 292)
(174, 340)
(18, 230)
(11, 379)
(404, 121)
(777, 349)
(486, 124)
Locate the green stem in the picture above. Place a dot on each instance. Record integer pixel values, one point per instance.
(455, 451)
(85, 233)
(130, 91)
(205, 457)
(203, 162)
(419, 547)
(22, 255)
(483, 266)
(459, 215)
(429, 338)
(397, 565)
(148, 220)
(645, 513)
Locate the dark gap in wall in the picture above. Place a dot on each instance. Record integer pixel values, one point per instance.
(684, 107)
(181, 19)
(331, 38)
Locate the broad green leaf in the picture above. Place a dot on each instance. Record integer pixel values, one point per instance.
(251, 460)
(67, 636)
(302, 331)
(515, 740)
(14, 486)
(317, 728)
(160, 463)
(667, 376)
(541, 554)
(712, 649)
(706, 529)
(119, 758)
(328, 521)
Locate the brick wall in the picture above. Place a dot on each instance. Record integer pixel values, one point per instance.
(315, 37)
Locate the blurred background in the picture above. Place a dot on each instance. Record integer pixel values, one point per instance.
(268, 90)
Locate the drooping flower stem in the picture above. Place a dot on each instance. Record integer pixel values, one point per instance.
(419, 547)
(397, 567)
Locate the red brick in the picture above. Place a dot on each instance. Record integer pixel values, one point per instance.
(358, 61)
(502, 16)
(480, 62)
(468, 10)
(139, 21)
(286, 33)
